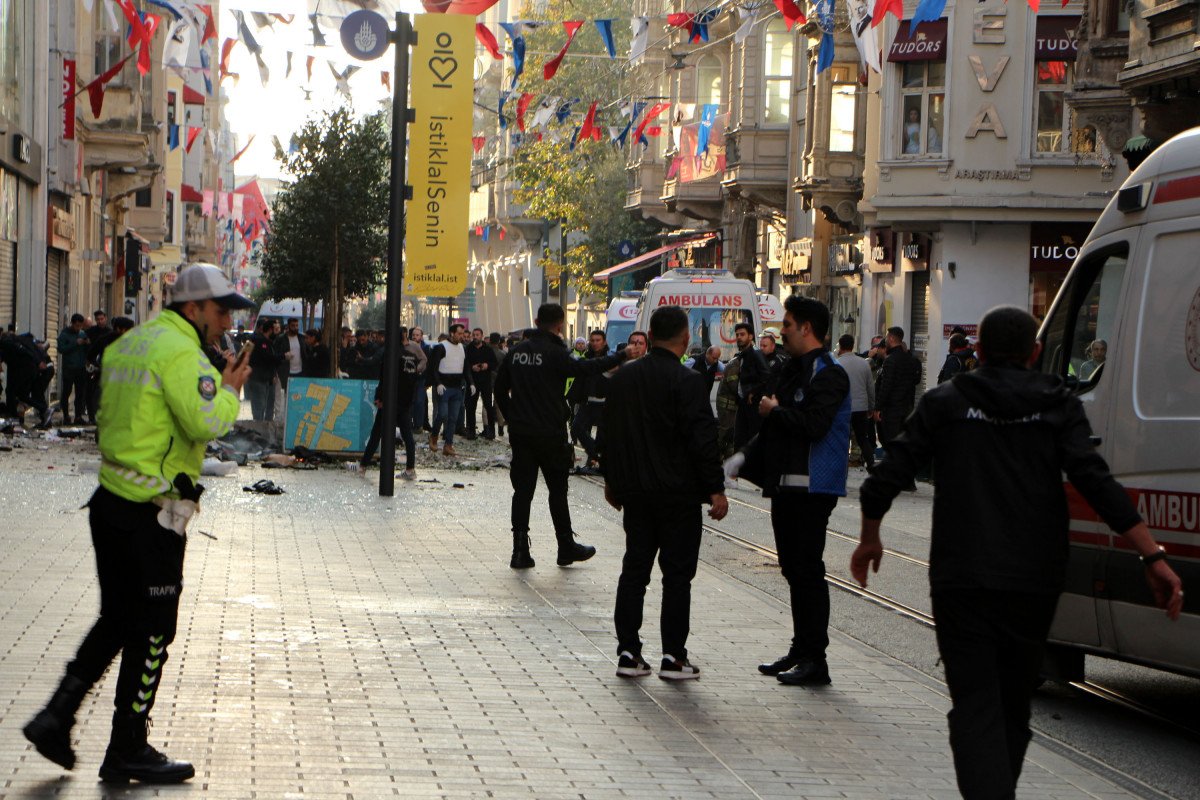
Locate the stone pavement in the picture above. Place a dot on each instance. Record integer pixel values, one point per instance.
(333, 644)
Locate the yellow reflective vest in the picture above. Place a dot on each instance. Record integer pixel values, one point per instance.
(161, 401)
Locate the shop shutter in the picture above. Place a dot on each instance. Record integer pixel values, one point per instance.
(8, 283)
(56, 267)
(918, 337)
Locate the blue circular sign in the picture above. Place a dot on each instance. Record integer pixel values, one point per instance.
(625, 249)
(365, 35)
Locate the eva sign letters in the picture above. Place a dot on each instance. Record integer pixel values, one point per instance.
(439, 155)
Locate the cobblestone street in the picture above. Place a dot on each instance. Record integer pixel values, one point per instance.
(336, 644)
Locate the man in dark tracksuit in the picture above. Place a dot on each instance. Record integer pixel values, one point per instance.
(529, 391)
(800, 459)
(896, 388)
(1000, 439)
(753, 379)
(660, 462)
(482, 361)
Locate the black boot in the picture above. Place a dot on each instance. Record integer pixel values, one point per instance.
(570, 551)
(520, 557)
(489, 432)
(50, 730)
(130, 756)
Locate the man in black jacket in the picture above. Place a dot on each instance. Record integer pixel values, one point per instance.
(661, 462)
(895, 390)
(1000, 439)
(529, 391)
(315, 358)
(482, 361)
(753, 377)
(800, 458)
(260, 386)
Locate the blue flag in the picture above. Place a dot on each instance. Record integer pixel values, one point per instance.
(707, 116)
(825, 22)
(606, 35)
(513, 29)
(927, 11)
(500, 109)
(564, 110)
(205, 63)
(173, 136)
(700, 25)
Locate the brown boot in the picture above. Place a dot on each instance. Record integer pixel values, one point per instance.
(448, 450)
(433, 442)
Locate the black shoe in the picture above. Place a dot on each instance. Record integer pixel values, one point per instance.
(130, 756)
(808, 672)
(50, 730)
(632, 666)
(520, 555)
(470, 436)
(672, 669)
(782, 665)
(574, 551)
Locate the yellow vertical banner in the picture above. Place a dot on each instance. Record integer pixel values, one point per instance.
(439, 154)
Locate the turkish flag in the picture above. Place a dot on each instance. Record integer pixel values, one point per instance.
(472, 7)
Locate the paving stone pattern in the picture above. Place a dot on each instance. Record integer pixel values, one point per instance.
(333, 644)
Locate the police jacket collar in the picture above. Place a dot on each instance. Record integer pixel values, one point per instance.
(548, 335)
(183, 324)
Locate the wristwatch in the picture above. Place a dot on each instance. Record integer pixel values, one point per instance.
(1158, 555)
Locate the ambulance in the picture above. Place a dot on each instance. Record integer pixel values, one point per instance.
(1124, 333)
(620, 319)
(770, 310)
(714, 299)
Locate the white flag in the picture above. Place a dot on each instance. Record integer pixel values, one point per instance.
(747, 17)
(640, 27)
(864, 35)
(683, 113)
(112, 16)
(179, 42)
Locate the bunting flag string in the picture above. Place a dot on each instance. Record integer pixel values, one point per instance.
(655, 110)
(931, 10)
(172, 137)
(826, 48)
(518, 48)
(226, 49)
(551, 68)
(885, 7)
(522, 106)
(141, 31)
(639, 28)
(747, 17)
(589, 130)
(318, 37)
(244, 149)
(210, 25)
(95, 89)
(192, 133)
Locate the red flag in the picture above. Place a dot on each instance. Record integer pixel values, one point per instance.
(472, 7)
(193, 132)
(589, 129)
(385, 78)
(572, 27)
(884, 7)
(477, 143)
(95, 89)
(243, 150)
(141, 31)
(210, 25)
(792, 13)
(654, 111)
(308, 66)
(226, 49)
(681, 21)
(1033, 5)
(522, 107)
(488, 40)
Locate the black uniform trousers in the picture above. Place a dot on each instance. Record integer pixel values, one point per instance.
(864, 434)
(587, 417)
(991, 644)
(798, 520)
(483, 392)
(404, 419)
(140, 566)
(74, 380)
(553, 456)
(669, 528)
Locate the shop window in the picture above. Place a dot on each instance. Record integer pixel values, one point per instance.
(708, 80)
(1086, 314)
(108, 48)
(777, 73)
(842, 108)
(142, 198)
(170, 214)
(171, 99)
(922, 107)
(1054, 131)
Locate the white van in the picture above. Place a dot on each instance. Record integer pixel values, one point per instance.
(621, 318)
(715, 302)
(1136, 287)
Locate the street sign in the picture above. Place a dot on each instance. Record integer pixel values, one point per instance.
(365, 35)
(625, 249)
(440, 154)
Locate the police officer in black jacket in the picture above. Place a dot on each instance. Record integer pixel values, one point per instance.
(530, 389)
(660, 461)
(1000, 439)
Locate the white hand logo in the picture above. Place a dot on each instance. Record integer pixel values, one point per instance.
(365, 40)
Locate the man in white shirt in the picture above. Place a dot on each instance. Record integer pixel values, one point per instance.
(862, 398)
(452, 380)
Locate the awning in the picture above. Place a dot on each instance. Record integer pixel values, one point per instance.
(1135, 143)
(644, 260)
(190, 194)
(1055, 39)
(191, 97)
(927, 44)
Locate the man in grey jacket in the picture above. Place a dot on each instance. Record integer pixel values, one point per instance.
(862, 398)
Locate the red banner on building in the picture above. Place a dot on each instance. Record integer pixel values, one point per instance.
(68, 87)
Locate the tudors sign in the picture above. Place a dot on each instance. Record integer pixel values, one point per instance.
(928, 43)
(1053, 246)
(439, 156)
(1055, 38)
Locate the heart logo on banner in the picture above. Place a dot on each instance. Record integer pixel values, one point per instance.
(443, 68)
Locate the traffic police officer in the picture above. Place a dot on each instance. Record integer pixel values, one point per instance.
(530, 393)
(161, 402)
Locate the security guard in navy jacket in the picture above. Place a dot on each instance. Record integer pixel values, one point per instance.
(530, 393)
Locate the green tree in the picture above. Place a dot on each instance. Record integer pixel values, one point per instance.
(582, 186)
(329, 224)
